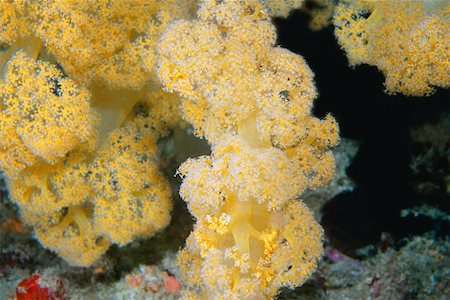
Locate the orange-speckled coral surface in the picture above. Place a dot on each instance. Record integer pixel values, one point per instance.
(79, 119)
(267, 149)
(91, 91)
(407, 40)
(82, 112)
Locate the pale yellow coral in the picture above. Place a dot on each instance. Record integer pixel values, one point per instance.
(95, 40)
(71, 234)
(13, 20)
(48, 188)
(92, 32)
(252, 101)
(257, 238)
(407, 40)
(320, 12)
(282, 8)
(251, 218)
(92, 199)
(43, 114)
(202, 65)
(274, 88)
(130, 191)
(236, 167)
(79, 120)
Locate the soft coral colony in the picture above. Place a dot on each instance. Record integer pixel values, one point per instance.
(252, 101)
(80, 116)
(407, 40)
(81, 112)
(88, 87)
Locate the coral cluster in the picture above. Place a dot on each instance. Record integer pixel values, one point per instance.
(79, 118)
(43, 114)
(87, 88)
(252, 101)
(407, 40)
(94, 40)
(319, 11)
(282, 8)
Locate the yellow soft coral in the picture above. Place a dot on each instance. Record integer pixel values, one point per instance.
(269, 102)
(46, 188)
(71, 234)
(95, 40)
(274, 89)
(14, 20)
(407, 40)
(320, 11)
(252, 101)
(282, 8)
(252, 236)
(90, 200)
(102, 38)
(80, 117)
(130, 191)
(237, 167)
(196, 64)
(43, 114)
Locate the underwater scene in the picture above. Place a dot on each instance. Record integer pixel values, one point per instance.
(225, 149)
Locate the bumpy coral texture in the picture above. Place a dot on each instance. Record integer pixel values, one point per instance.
(43, 115)
(95, 40)
(269, 102)
(79, 120)
(267, 148)
(80, 206)
(320, 11)
(407, 40)
(282, 8)
(252, 236)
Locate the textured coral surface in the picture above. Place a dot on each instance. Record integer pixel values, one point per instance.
(224, 149)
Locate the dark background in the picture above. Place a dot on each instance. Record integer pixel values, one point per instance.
(382, 123)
